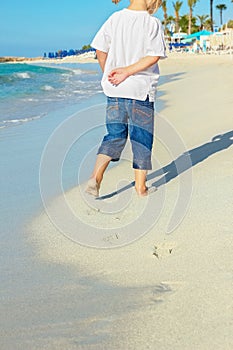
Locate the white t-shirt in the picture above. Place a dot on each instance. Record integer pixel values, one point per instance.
(127, 36)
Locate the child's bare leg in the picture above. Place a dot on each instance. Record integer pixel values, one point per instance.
(101, 165)
(140, 181)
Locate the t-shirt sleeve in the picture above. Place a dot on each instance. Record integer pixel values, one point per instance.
(155, 41)
(102, 39)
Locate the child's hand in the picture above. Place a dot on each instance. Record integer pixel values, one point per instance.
(118, 75)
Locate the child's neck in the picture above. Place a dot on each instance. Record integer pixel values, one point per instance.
(137, 5)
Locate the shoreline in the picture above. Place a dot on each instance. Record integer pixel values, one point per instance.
(82, 58)
(11, 59)
(89, 58)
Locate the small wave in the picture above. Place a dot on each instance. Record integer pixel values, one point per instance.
(22, 75)
(78, 71)
(47, 88)
(23, 120)
(77, 91)
(31, 100)
(9, 122)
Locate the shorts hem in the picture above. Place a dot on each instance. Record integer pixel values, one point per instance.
(114, 158)
(142, 165)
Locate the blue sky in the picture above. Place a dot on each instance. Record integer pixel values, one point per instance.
(30, 28)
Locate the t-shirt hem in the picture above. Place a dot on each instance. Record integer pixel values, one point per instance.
(99, 48)
(132, 97)
(157, 54)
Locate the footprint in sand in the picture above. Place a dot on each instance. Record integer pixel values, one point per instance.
(164, 250)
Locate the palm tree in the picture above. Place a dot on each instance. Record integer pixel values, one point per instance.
(184, 23)
(221, 8)
(211, 15)
(164, 8)
(191, 4)
(203, 21)
(177, 6)
(208, 25)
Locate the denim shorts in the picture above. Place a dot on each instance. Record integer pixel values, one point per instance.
(134, 118)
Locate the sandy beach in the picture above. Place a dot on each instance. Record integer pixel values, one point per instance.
(87, 57)
(122, 272)
(180, 282)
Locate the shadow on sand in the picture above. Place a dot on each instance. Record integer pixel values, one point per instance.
(183, 162)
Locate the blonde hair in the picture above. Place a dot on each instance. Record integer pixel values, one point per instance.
(153, 6)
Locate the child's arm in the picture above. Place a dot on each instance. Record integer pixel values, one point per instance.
(118, 75)
(102, 57)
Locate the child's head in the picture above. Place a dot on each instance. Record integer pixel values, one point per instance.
(152, 5)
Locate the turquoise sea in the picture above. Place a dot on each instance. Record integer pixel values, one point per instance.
(29, 92)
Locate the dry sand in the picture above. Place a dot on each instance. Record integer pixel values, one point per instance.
(185, 276)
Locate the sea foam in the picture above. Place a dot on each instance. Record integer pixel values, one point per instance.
(23, 75)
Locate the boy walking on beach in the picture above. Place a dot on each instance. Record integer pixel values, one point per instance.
(128, 47)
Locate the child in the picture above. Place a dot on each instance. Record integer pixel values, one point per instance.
(128, 47)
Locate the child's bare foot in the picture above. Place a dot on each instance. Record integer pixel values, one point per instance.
(93, 188)
(146, 191)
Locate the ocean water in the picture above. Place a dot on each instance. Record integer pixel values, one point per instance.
(29, 92)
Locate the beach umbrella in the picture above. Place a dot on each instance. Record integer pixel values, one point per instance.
(197, 35)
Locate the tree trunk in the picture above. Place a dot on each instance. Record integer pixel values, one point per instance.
(165, 22)
(190, 20)
(221, 17)
(177, 22)
(211, 15)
